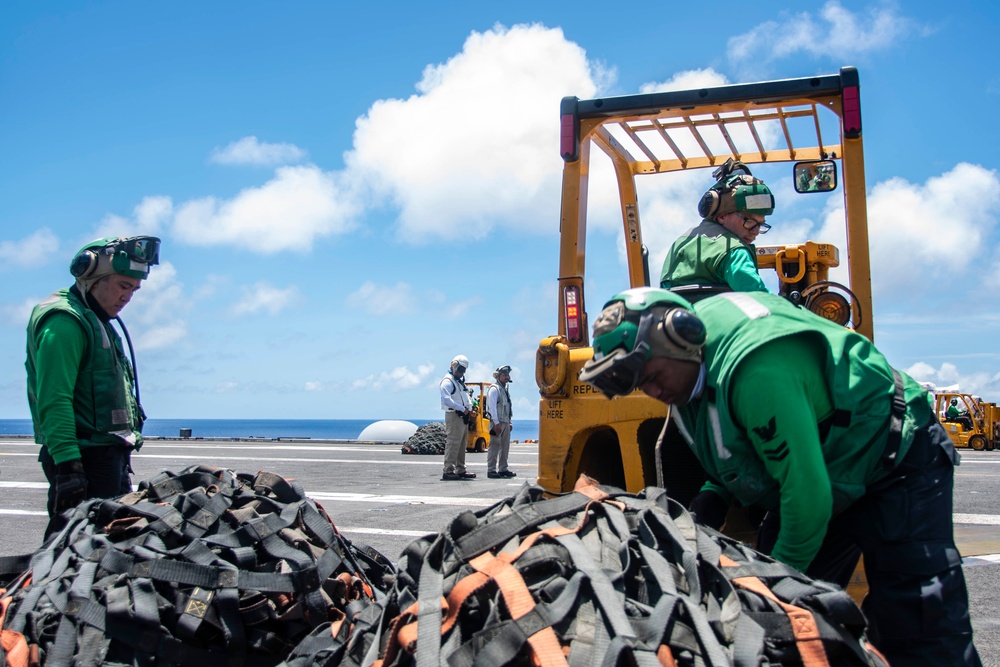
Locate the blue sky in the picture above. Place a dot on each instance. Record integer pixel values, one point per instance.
(349, 194)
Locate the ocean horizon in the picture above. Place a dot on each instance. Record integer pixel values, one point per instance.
(313, 429)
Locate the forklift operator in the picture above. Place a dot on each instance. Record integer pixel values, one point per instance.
(805, 418)
(957, 415)
(720, 251)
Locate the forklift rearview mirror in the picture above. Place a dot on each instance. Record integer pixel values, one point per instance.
(818, 176)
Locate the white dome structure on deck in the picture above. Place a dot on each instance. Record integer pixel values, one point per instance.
(388, 430)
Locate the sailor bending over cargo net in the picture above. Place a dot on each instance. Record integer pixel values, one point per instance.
(804, 418)
(82, 389)
(719, 252)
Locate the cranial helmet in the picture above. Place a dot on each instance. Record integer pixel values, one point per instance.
(501, 369)
(131, 257)
(460, 361)
(736, 189)
(633, 327)
(954, 401)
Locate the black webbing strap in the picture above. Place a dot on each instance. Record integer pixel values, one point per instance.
(895, 437)
(521, 518)
(240, 561)
(12, 566)
(503, 645)
(195, 611)
(430, 589)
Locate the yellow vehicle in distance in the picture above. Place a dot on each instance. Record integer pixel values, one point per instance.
(811, 123)
(479, 425)
(979, 425)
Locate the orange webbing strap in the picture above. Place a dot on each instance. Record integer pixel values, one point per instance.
(473, 582)
(665, 656)
(403, 634)
(588, 487)
(871, 648)
(15, 646)
(807, 637)
(545, 644)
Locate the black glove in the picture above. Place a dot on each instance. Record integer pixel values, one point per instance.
(70, 485)
(709, 508)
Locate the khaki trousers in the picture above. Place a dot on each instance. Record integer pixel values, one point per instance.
(496, 455)
(456, 440)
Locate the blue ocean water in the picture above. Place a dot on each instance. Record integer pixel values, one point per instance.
(316, 429)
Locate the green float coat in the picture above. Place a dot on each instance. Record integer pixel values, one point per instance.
(81, 357)
(755, 426)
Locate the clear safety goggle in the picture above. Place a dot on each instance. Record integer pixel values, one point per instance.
(145, 249)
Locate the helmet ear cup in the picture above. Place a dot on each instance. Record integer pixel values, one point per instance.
(84, 264)
(709, 204)
(683, 330)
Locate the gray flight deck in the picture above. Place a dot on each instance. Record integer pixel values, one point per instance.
(378, 496)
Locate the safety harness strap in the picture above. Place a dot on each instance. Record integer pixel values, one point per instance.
(807, 636)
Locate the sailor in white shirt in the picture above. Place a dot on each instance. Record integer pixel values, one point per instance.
(457, 406)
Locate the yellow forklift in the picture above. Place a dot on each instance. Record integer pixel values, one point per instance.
(813, 124)
(479, 425)
(978, 426)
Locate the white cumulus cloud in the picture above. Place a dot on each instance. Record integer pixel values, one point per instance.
(289, 212)
(17, 314)
(157, 314)
(478, 143)
(686, 80)
(397, 379)
(947, 375)
(836, 33)
(474, 147)
(250, 150)
(382, 299)
(922, 232)
(149, 218)
(32, 251)
(265, 297)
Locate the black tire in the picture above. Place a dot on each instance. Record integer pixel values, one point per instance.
(977, 442)
(480, 445)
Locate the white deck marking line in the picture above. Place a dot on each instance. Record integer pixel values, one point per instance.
(977, 519)
(24, 512)
(395, 499)
(386, 531)
(401, 500)
(228, 444)
(437, 461)
(963, 519)
(989, 558)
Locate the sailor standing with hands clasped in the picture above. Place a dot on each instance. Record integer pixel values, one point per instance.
(498, 409)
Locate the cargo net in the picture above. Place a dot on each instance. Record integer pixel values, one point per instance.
(204, 567)
(594, 577)
(427, 439)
